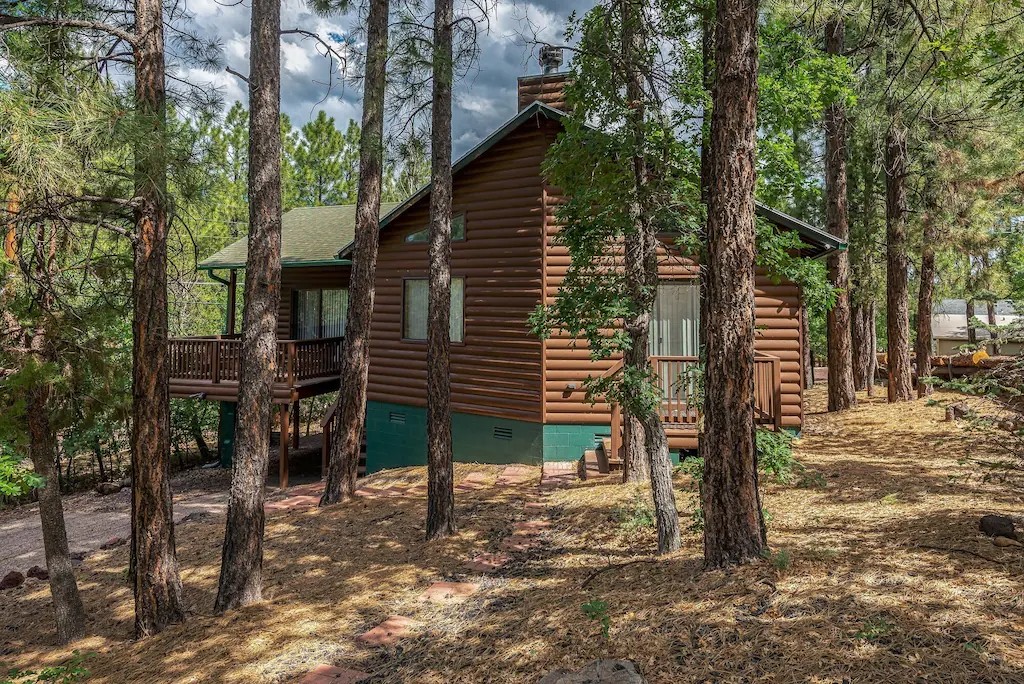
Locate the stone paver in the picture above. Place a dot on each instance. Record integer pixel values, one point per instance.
(514, 475)
(389, 632)
(535, 507)
(518, 543)
(487, 562)
(530, 527)
(449, 592)
(329, 674)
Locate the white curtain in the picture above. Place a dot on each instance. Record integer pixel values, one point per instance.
(675, 326)
(414, 316)
(307, 326)
(335, 312)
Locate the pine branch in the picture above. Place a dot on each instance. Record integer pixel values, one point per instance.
(9, 22)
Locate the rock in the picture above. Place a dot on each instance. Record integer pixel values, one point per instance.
(108, 488)
(11, 580)
(196, 516)
(597, 672)
(113, 543)
(38, 572)
(1003, 542)
(997, 526)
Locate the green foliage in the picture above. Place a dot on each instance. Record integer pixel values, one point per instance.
(775, 454)
(875, 629)
(780, 559)
(72, 670)
(15, 478)
(596, 609)
(636, 516)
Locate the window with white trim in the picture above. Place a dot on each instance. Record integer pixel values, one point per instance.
(414, 309)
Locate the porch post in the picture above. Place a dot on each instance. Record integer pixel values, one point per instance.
(283, 465)
(298, 423)
(232, 287)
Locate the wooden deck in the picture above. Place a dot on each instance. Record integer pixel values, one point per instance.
(208, 367)
(680, 410)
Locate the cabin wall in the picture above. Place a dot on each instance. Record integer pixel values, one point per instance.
(496, 370)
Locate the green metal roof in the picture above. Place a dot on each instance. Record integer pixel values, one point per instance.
(310, 236)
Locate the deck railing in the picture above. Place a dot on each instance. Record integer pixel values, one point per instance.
(679, 378)
(218, 359)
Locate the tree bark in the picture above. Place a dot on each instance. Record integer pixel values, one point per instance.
(863, 335)
(841, 392)
(925, 295)
(157, 584)
(897, 311)
(67, 604)
(990, 308)
(343, 468)
(636, 461)
(862, 291)
(641, 264)
(241, 571)
(440, 470)
(972, 330)
(734, 529)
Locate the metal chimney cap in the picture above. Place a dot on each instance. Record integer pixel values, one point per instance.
(550, 58)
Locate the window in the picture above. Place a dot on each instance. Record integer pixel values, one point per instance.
(320, 313)
(458, 231)
(675, 325)
(414, 309)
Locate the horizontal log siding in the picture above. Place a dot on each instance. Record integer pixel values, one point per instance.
(567, 361)
(496, 371)
(303, 278)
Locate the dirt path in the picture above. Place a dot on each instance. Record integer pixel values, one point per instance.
(92, 520)
(878, 574)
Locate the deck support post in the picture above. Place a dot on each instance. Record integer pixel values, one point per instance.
(283, 471)
(297, 422)
(232, 288)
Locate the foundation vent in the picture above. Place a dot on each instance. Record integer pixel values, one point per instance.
(502, 433)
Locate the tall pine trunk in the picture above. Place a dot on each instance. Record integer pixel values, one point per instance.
(344, 458)
(897, 296)
(862, 323)
(636, 460)
(925, 295)
(990, 308)
(841, 392)
(67, 604)
(241, 570)
(972, 330)
(642, 277)
(440, 470)
(157, 584)
(733, 524)
(68, 611)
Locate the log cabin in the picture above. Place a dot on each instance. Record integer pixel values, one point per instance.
(515, 398)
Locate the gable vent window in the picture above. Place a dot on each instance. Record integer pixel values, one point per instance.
(502, 432)
(396, 417)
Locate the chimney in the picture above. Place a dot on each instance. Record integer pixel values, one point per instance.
(549, 87)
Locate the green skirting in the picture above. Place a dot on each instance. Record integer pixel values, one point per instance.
(396, 436)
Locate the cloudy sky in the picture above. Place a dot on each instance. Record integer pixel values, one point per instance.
(483, 99)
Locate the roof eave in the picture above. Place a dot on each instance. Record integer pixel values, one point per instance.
(284, 264)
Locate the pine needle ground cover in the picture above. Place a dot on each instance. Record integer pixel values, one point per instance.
(878, 573)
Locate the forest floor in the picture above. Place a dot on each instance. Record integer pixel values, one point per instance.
(878, 573)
